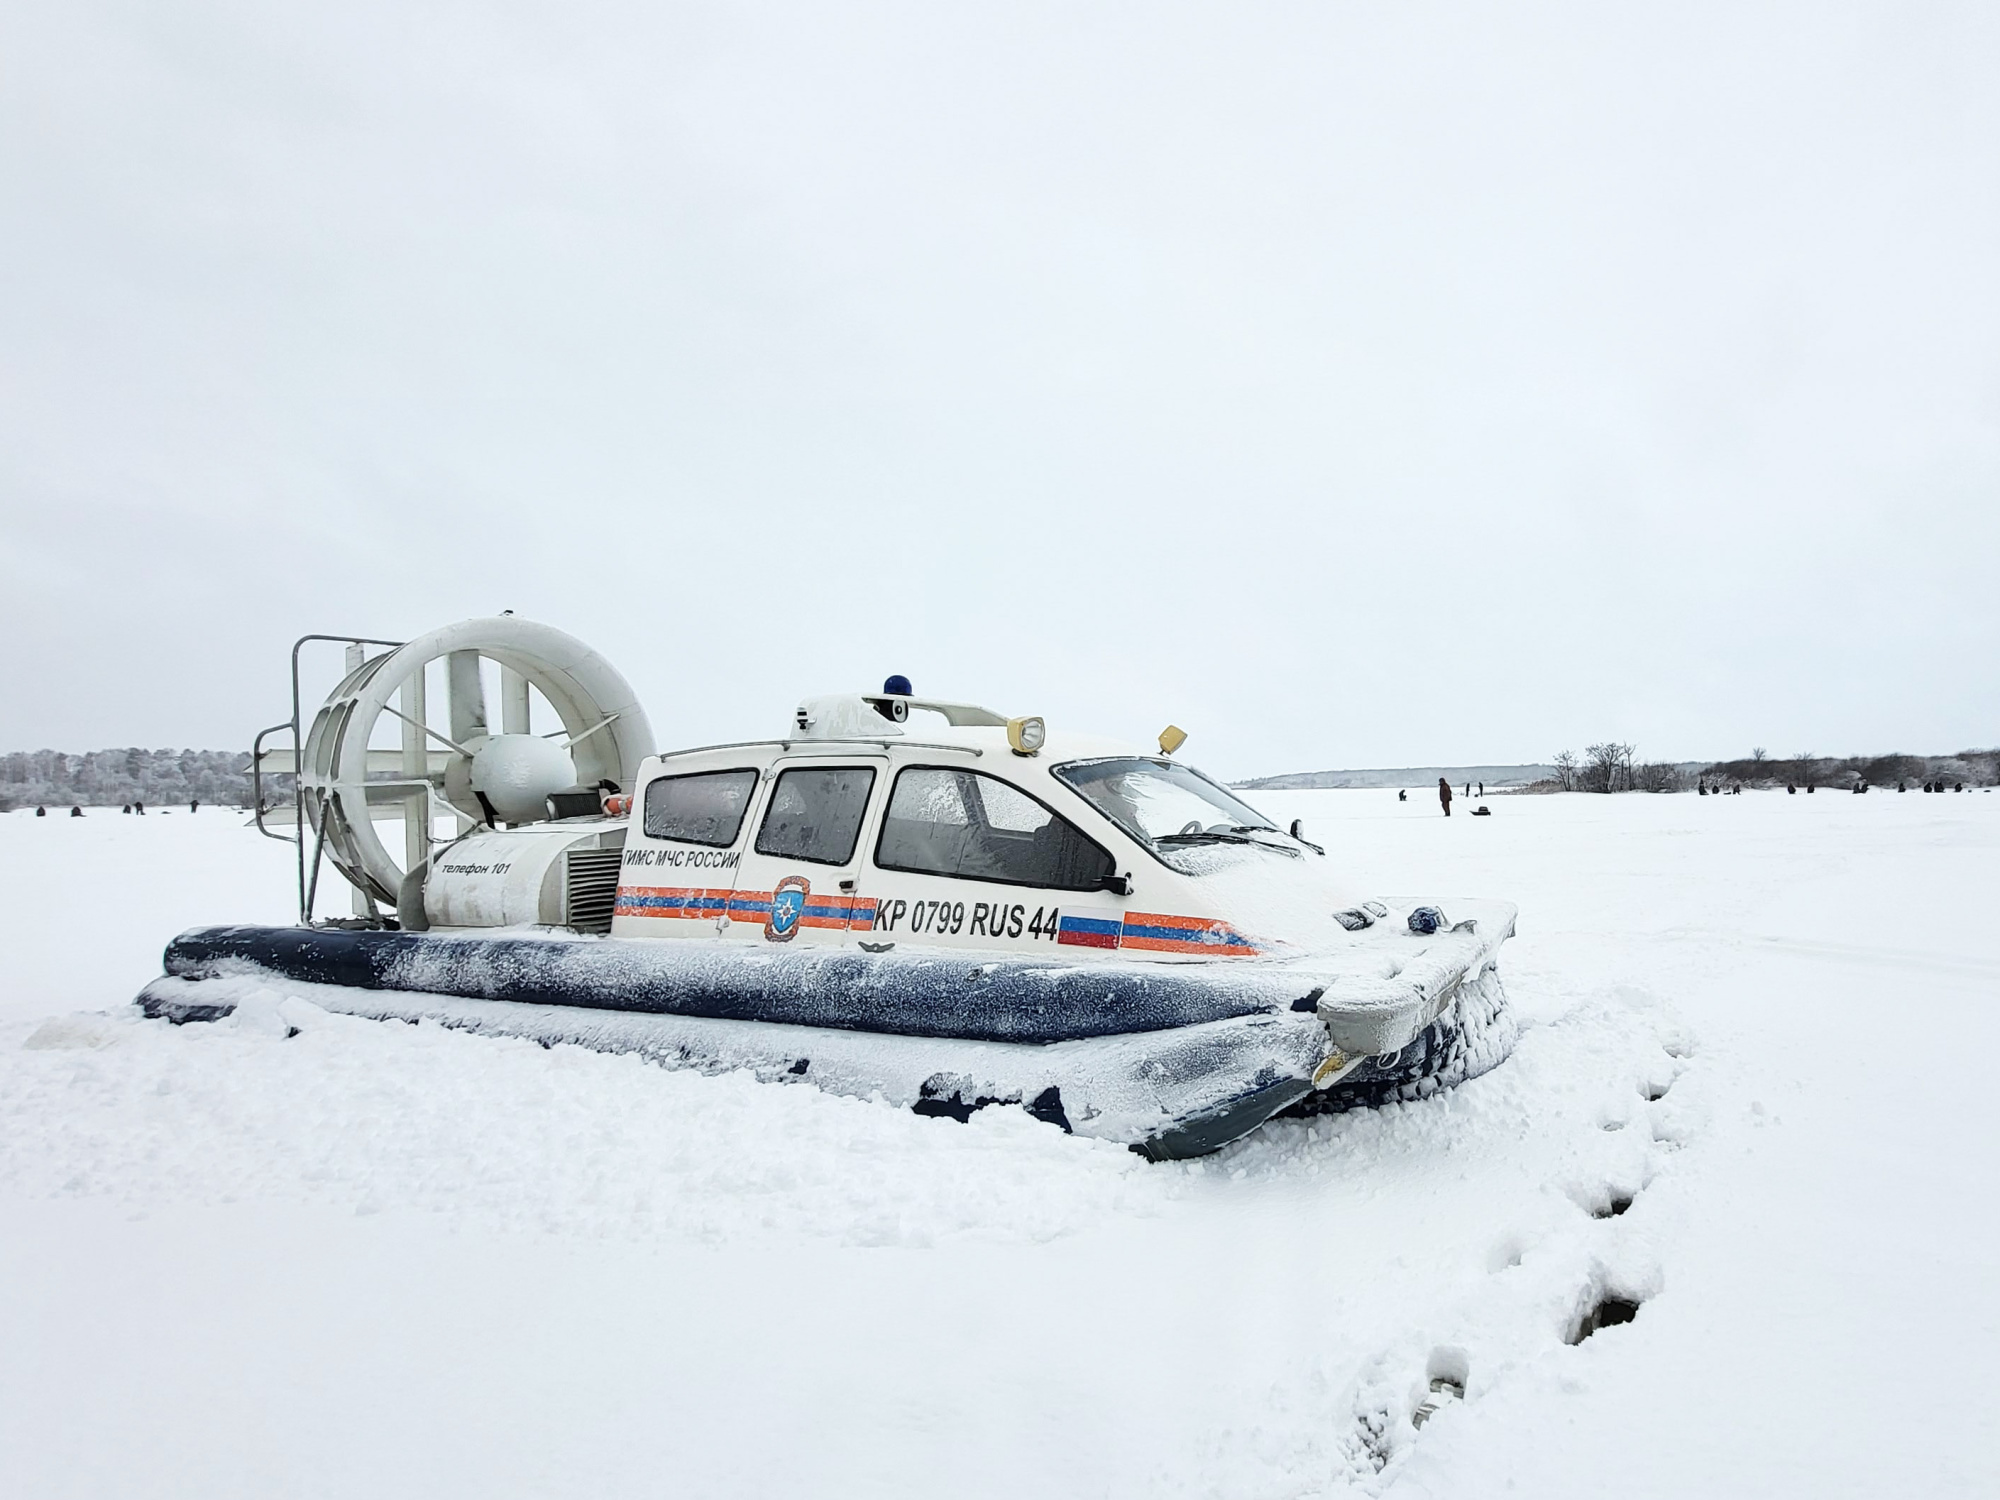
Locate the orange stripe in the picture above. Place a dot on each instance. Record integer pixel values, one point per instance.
(1188, 945)
(1161, 919)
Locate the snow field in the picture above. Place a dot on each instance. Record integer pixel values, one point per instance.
(377, 1259)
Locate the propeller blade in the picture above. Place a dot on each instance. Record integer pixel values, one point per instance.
(448, 744)
(513, 702)
(468, 696)
(415, 765)
(578, 739)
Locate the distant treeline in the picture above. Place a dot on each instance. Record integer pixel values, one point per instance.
(1615, 767)
(112, 778)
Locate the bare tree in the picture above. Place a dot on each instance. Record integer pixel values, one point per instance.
(1757, 753)
(1660, 776)
(1607, 767)
(1565, 765)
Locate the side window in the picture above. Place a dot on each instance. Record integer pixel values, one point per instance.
(815, 814)
(978, 827)
(706, 808)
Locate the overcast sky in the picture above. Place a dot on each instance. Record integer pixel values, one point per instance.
(1353, 385)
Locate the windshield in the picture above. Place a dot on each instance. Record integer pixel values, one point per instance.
(1163, 801)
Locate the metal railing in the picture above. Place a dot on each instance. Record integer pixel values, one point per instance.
(308, 885)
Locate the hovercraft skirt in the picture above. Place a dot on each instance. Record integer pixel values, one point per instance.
(917, 994)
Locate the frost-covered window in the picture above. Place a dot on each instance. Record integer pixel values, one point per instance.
(977, 827)
(1167, 805)
(815, 814)
(706, 808)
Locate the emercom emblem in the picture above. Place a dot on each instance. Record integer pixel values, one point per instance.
(788, 905)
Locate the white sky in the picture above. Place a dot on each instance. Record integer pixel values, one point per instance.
(1352, 385)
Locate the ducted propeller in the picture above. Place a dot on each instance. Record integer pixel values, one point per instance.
(463, 768)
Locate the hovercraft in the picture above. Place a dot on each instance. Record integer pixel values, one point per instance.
(902, 898)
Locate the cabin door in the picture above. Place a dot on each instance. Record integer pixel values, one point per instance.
(799, 879)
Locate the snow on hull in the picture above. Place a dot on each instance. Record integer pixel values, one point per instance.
(1170, 1093)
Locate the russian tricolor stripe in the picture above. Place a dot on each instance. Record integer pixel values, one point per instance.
(1090, 929)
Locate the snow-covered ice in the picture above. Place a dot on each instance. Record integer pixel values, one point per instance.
(298, 1253)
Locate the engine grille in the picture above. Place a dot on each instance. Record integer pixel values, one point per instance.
(591, 887)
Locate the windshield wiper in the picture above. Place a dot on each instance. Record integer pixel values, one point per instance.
(1240, 834)
(1285, 849)
(1294, 835)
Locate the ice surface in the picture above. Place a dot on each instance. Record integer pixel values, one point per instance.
(310, 1254)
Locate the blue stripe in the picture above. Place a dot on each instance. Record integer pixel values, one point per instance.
(1096, 926)
(698, 903)
(1205, 936)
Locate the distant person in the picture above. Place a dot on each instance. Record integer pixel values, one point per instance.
(1468, 789)
(194, 804)
(139, 808)
(125, 807)
(1900, 787)
(41, 812)
(1959, 787)
(1444, 795)
(1482, 789)
(1701, 789)
(1401, 795)
(1809, 791)
(1790, 790)
(76, 812)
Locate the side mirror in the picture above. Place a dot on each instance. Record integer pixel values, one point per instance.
(1118, 885)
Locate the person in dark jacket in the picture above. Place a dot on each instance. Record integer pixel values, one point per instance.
(1444, 795)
